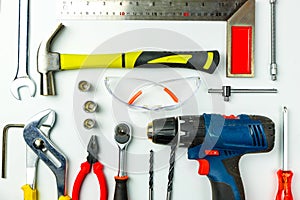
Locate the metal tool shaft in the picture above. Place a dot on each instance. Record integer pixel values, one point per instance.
(23, 38)
(273, 65)
(122, 163)
(253, 90)
(244, 90)
(227, 90)
(285, 140)
(4, 146)
(151, 176)
(171, 172)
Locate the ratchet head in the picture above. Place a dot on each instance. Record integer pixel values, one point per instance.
(122, 135)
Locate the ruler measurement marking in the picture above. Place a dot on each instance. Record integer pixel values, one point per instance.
(219, 10)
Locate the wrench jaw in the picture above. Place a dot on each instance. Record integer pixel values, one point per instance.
(21, 82)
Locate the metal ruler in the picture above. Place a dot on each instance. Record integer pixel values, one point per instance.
(215, 10)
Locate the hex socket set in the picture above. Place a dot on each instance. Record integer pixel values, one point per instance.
(217, 141)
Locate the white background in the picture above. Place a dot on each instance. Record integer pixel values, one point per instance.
(258, 171)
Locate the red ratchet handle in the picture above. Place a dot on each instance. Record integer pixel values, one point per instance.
(85, 169)
(284, 185)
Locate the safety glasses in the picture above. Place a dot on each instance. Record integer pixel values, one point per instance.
(152, 95)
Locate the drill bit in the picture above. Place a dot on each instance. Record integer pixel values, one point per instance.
(171, 171)
(151, 175)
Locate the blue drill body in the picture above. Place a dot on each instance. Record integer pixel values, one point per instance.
(218, 143)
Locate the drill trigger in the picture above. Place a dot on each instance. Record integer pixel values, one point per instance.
(203, 167)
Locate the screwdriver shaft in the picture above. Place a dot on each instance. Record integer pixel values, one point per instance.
(285, 140)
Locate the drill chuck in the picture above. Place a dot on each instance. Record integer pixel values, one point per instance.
(187, 131)
(163, 131)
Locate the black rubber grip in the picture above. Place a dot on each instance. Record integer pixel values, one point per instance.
(198, 60)
(221, 191)
(232, 166)
(121, 188)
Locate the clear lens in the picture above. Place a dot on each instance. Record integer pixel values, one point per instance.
(152, 95)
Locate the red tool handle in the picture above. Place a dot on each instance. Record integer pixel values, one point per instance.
(98, 170)
(85, 169)
(284, 185)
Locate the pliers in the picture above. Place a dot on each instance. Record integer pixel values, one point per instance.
(86, 167)
(40, 144)
(43, 121)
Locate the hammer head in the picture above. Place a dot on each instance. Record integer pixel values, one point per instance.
(47, 63)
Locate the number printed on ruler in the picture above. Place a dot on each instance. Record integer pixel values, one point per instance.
(216, 10)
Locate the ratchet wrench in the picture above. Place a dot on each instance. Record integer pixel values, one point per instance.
(122, 138)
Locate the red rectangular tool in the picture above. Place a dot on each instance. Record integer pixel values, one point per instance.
(240, 41)
(241, 49)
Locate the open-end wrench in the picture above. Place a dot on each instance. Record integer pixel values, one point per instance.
(22, 78)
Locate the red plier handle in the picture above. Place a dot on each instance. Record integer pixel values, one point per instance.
(85, 169)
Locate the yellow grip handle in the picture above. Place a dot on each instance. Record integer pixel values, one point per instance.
(29, 193)
(73, 61)
(64, 198)
(206, 61)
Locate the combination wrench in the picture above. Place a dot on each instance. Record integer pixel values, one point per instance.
(22, 78)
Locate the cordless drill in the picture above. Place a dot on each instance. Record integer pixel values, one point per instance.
(217, 142)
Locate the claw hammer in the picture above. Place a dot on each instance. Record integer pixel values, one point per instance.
(49, 62)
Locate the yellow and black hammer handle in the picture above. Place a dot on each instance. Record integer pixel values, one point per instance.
(206, 61)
